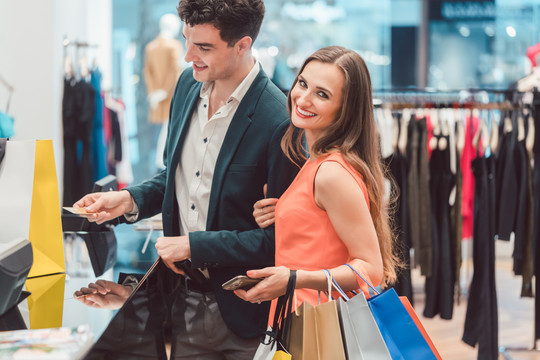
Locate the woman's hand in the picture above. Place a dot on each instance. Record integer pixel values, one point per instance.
(264, 212)
(274, 284)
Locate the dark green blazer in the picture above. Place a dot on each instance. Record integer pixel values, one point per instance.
(249, 158)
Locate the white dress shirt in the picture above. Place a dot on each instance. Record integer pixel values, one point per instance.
(195, 171)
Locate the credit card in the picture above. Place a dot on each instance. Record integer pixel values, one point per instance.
(78, 211)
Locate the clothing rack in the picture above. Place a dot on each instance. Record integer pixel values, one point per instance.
(10, 89)
(467, 99)
(77, 45)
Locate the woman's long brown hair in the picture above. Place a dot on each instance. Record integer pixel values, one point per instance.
(354, 135)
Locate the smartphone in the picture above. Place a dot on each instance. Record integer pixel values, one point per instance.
(240, 282)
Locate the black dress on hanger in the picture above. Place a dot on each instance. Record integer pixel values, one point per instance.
(481, 320)
(78, 108)
(397, 164)
(440, 285)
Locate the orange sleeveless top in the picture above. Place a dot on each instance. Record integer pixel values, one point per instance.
(305, 237)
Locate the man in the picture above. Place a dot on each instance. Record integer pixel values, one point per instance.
(223, 145)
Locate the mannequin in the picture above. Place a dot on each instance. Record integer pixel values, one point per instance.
(533, 79)
(161, 71)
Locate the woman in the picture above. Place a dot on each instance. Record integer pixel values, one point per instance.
(334, 212)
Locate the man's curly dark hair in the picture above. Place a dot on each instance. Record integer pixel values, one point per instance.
(233, 18)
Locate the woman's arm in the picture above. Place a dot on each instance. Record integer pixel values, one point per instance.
(338, 193)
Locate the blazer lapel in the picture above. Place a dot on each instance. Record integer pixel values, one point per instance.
(239, 125)
(180, 134)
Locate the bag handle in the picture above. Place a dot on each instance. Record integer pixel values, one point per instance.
(3, 146)
(283, 308)
(332, 282)
(286, 318)
(361, 277)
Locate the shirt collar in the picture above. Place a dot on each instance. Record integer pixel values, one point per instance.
(240, 90)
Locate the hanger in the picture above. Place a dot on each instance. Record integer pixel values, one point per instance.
(77, 67)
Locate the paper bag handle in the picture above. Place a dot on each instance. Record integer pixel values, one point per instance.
(361, 277)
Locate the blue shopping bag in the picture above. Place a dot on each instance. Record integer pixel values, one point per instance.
(399, 331)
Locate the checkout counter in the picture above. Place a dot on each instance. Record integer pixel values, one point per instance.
(42, 308)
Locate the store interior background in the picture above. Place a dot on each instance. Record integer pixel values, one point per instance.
(441, 45)
(404, 44)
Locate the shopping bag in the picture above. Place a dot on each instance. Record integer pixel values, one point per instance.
(302, 339)
(329, 339)
(420, 326)
(315, 332)
(272, 344)
(361, 336)
(399, 331)
(30, 205)
(46, 302)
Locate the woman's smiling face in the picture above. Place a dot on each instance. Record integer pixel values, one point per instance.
(317, 98)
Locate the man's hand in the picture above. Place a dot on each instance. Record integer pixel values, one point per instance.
(103, 294)
(105, 206)
(172, 249)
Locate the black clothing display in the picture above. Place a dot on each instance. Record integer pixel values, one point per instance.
(507, 182)
(419, 197)
(523, 227)
(78, 107)
(114, 152)
(440, 284)
(397, 164)
(481, 324)
(536, 223)
(456, 226)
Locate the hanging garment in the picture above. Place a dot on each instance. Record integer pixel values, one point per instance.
(419, 197)
(467, 206)
(440, 284)
(124, 171)
(523, 230)
(481, 322)
(99, 150)
(456, 225)
(114, 147)
(398, 168)
(78, 107)
(6, 126)
(507, 181)
(536, 211)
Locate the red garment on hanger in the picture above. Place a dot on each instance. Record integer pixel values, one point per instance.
(429, 127)
(469, 153)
